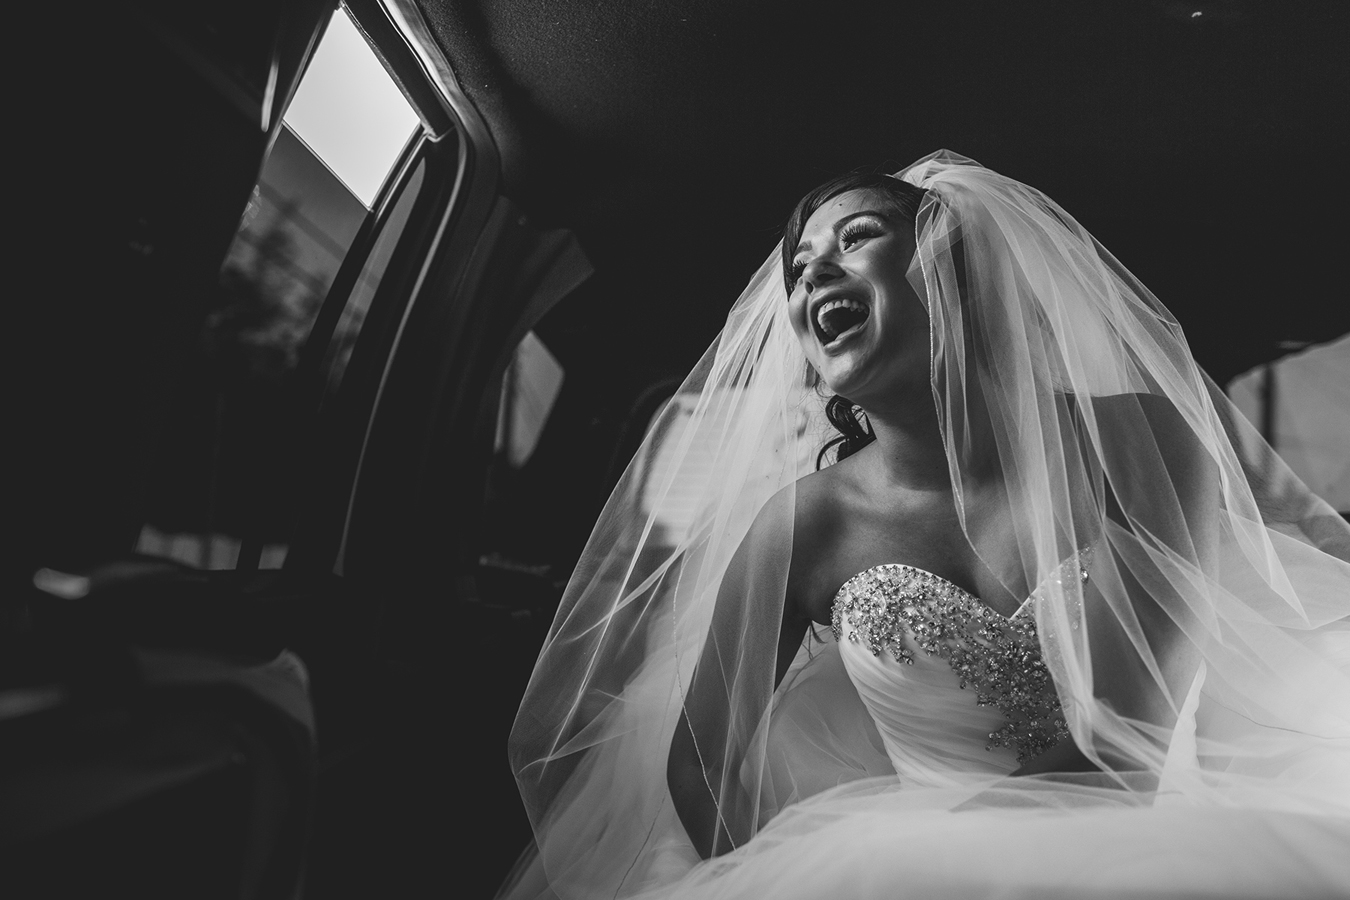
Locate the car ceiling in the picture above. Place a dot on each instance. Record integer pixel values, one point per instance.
(1202, 142)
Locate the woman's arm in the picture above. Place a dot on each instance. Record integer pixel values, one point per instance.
(1163, 496)
(1162, 492)
(702, 771)
(691, 787)
(1162, 506)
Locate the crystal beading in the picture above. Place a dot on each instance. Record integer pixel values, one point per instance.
(895, 608)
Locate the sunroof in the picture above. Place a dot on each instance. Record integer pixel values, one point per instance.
(349, 111)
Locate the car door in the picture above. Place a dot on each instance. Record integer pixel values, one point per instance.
(230, 449)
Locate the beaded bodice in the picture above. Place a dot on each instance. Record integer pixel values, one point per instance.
(902, 614)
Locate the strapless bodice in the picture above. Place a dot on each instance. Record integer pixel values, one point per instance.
(956, 690)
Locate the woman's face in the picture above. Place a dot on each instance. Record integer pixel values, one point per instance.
(861, 324)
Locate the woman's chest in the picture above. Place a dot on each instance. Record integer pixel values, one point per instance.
(940, 672)
(930, 539)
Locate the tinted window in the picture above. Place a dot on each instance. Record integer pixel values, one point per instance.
(220, 474)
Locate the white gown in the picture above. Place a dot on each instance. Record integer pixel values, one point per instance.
(955, 692)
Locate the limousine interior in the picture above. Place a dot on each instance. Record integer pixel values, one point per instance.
(337, 324)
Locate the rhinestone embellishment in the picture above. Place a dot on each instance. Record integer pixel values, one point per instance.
(897, 608)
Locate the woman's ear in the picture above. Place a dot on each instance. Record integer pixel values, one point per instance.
(811, 378)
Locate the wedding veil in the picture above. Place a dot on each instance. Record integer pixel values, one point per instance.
(1204, 660)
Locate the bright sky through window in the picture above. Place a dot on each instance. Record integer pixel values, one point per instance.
(349, 111)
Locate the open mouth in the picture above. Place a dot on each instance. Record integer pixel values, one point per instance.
(835, 318)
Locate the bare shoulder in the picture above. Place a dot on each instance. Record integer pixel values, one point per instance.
(800, 511)
(806, 526)
(820, 500)
(818, 507)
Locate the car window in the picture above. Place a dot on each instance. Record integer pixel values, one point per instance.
(218, 477)
(530, 388)
(349, 112)
(1300, 403)
(339, 350)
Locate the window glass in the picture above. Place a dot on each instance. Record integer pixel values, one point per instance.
(1301, 404)
(349, 111)
(660, 470)
(530, 387)
(339, 350)
(525, 485)
(219, 476)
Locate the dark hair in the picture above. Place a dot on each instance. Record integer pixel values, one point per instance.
(904, 199)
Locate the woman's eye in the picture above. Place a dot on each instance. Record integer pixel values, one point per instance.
(795, 273)
(857, 231)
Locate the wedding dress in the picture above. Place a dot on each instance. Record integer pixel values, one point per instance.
(958, 696)
(1161, 539)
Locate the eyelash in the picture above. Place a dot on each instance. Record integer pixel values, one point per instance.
(858, 228)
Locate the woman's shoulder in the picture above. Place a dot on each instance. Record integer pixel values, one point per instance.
(806, 518)
(818, 499)
(802, 514)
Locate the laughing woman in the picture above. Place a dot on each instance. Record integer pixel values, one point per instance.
(990, 592)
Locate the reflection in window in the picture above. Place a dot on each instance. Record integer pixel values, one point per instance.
(530, 387)
(523, 483)
(339, 350)
(220, 473)
(295, 233)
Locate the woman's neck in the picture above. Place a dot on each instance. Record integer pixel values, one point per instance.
(910, 454)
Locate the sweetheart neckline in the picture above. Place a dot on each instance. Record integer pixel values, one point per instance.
(960, 590)
(1083, 558)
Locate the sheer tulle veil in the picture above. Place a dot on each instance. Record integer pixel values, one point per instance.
(1204, 662)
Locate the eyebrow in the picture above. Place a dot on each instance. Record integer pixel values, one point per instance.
(842, 223)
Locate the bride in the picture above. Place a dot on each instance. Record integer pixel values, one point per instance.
(987, 590)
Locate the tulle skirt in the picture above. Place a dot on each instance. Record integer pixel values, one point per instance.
(1013, 838)
(1043, 843)
(850, 827)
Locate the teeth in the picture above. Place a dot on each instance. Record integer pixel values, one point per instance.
(831, 305)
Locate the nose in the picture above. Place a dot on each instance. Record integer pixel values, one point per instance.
(819, 272)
